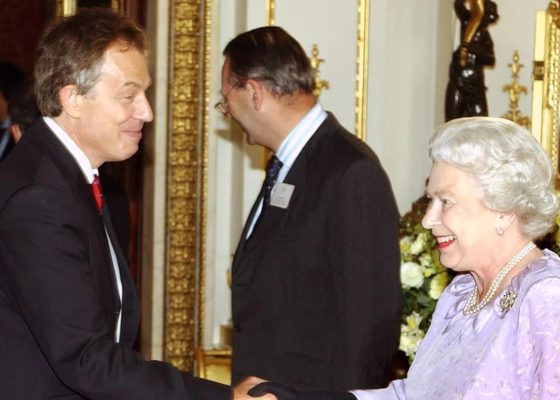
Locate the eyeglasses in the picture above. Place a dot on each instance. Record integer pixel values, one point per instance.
(222, 106)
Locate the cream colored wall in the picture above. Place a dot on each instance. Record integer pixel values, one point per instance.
(410, 49)
(154, 190)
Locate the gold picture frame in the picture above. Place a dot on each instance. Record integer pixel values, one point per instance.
(187, 180)
(546, 83)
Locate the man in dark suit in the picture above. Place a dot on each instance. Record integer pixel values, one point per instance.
(68, 307)
(315, 278)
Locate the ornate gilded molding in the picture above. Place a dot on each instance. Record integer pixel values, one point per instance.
(186, 174)
(362, 69)
(514, 91)
(316, 61)
(204, 171)
(546, 83)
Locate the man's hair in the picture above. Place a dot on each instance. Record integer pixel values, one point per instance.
(22, 107)
(270, 55)
(10, 76)
(72, 51)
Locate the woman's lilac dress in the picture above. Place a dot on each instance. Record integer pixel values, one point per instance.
(498, 353)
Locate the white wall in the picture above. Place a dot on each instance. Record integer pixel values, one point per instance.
(406, 76)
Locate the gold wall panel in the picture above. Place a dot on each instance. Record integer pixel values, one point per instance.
(362, 69)
(546, 82)
(186, 174)
(271, 12)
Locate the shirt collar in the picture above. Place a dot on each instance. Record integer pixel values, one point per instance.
(73, 149)
(300, 135)
(6, 123)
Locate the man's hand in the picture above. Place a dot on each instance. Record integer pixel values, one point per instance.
(241, 389)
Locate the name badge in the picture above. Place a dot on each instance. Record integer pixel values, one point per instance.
(281, 195)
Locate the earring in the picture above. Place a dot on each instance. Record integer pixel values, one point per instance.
(500, 231)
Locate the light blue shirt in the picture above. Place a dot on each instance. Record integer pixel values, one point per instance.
(5, 138)
(292, 146)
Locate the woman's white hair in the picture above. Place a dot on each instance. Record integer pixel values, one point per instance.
(512, 168)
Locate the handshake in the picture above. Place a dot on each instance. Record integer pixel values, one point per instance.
(255, 388)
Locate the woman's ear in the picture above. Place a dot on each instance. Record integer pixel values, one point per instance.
(504, 221)
(70, 100)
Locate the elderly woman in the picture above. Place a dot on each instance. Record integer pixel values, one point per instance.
(495, 333)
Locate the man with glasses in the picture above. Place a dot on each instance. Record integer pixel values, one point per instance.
(315, 278)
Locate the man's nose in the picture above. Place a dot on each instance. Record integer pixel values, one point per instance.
(144, 110)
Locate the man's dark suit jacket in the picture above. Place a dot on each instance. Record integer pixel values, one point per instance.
(316, 290)
(58, 298)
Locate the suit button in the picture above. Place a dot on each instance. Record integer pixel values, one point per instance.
(117, 311)
(237, 328)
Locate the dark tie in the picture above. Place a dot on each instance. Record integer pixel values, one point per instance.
(272, 169)
(97, 193)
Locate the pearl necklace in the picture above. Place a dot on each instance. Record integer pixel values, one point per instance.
(471, 307)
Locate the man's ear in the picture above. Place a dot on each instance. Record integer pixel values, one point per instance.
(257, 92)
(16, 132)
(71, 100)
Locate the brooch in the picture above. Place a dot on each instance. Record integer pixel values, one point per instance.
(507, 300)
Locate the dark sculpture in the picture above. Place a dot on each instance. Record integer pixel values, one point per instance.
(465, 96)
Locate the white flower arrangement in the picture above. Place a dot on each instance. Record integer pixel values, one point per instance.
(423, 279)
(411, 275)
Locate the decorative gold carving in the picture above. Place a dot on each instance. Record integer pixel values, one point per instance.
(514, 91)
(204, 173)
(186, 212)
(362, 69)
(271, 12)
(546, 102)
(315, 61)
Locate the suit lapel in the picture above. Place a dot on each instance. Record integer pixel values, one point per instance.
(243, 240)
(42, 136)
(276, 218)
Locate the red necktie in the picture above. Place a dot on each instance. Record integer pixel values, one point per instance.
(97, 193)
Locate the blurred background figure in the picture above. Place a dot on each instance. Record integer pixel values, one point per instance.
(10, 77)
(22, 110)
